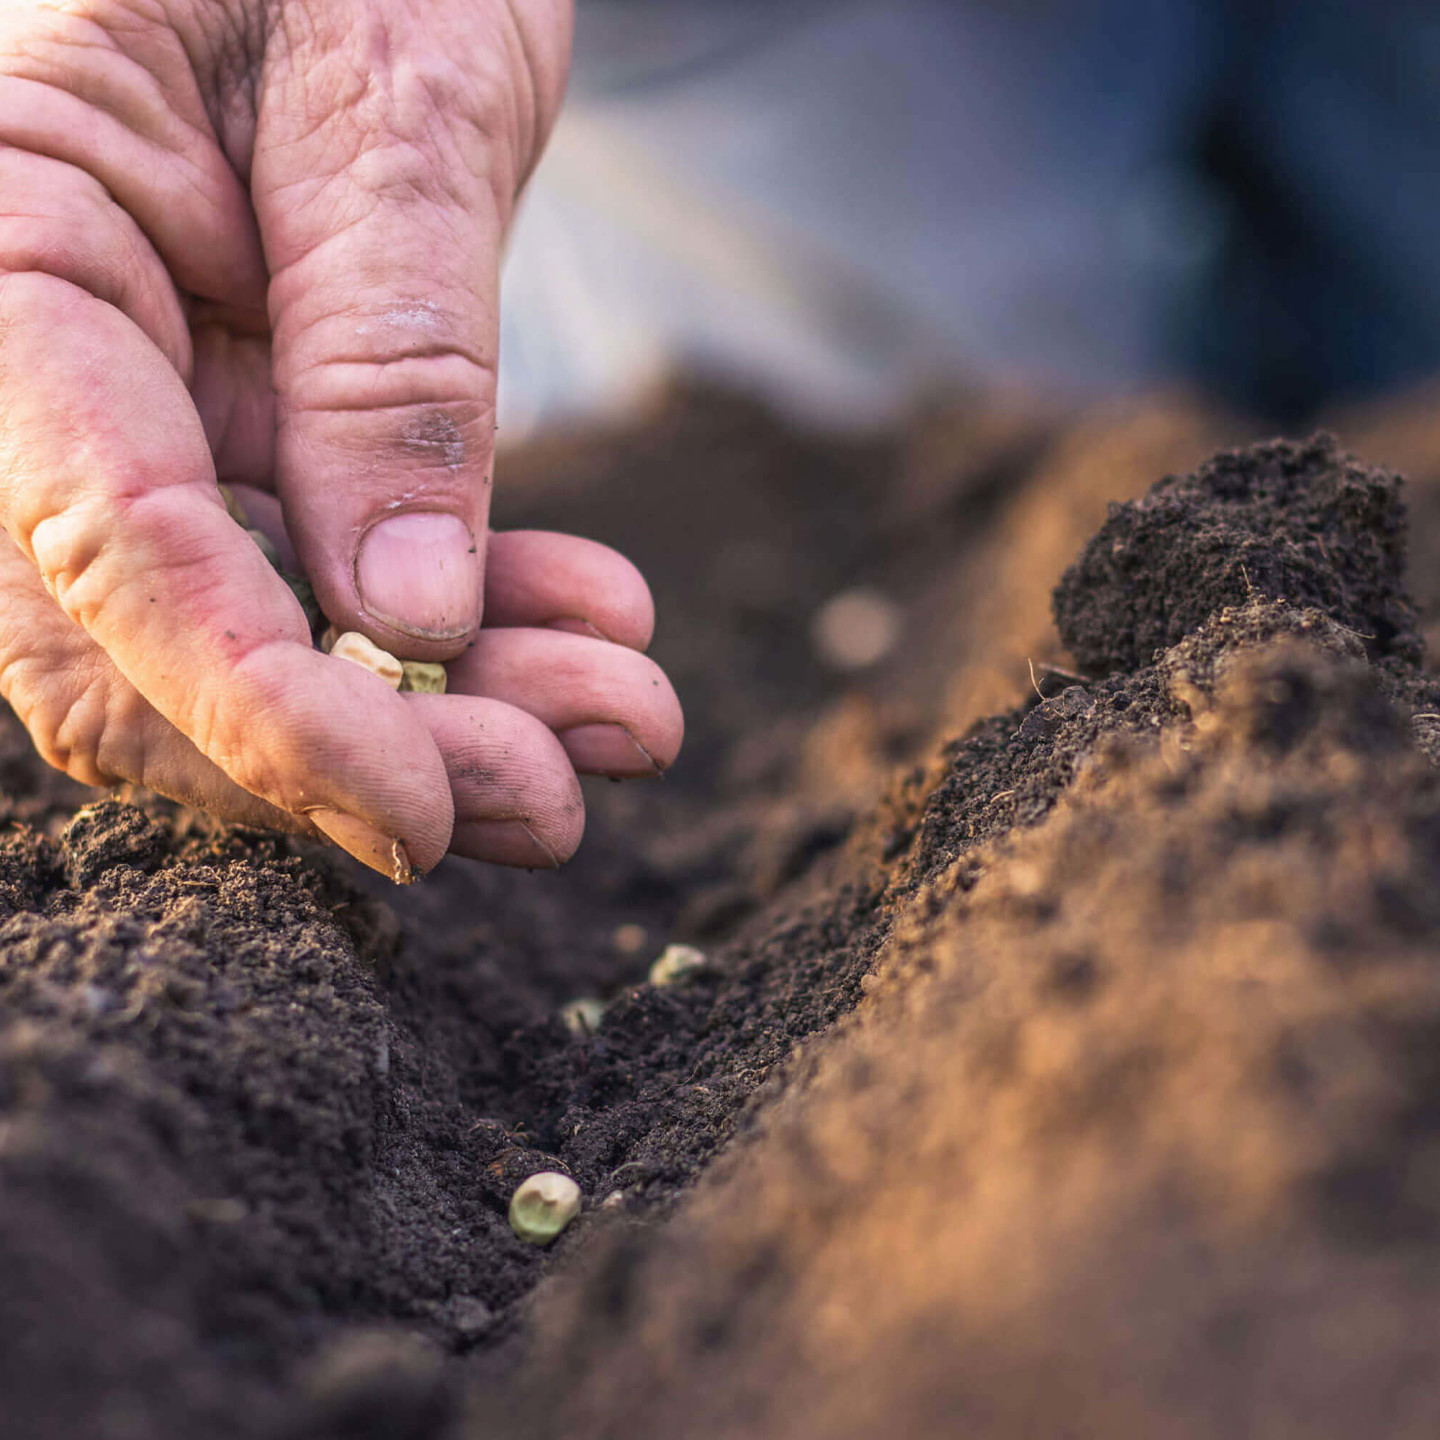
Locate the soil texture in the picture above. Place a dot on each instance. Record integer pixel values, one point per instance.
(1068, 1069)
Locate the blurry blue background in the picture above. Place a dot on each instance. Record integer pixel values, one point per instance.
(842, 202)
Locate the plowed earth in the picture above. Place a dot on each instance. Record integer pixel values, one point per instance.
(1068, 1058)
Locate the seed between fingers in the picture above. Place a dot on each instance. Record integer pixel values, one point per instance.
(355, 647)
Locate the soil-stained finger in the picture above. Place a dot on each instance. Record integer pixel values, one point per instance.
(509, 778)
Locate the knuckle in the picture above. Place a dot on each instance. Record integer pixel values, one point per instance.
(78, 723)
(398, 372)
(84, 549)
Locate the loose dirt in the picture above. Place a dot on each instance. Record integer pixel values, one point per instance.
(1065, 1070)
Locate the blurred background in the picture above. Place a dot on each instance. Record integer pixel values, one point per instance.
(841, 204)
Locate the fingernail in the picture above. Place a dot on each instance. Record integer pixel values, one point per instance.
(506, 842)
(420, 573)
(368, 845)
(608, 750)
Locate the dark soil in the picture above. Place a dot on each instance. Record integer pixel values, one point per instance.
(1074, 1076)
(1303, 523)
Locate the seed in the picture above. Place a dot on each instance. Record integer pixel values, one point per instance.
(421, 677)
(677, 964)
(543, 1206)
(233, 508)
(328, 639)
(354, 646)
(582, 1017)
(267, 546)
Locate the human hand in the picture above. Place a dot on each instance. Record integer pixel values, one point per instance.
(259, 241)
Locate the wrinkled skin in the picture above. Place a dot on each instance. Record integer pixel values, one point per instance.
(259, 241)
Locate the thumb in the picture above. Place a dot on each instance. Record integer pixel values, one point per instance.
(388, 152)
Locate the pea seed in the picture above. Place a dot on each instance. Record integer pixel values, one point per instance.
(677, 964)
(354, 646)
(543, 1206)
(422, 677)
(233, 508)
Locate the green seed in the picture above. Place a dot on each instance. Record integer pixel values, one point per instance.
(543, 1206)
(582, 1017)
(677, 964)
(355, 647)
(422, 677)
(267, 546)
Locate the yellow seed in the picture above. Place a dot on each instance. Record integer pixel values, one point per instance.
(422, 677)
(233, 508)
(543, 1206)
(354, 646)
(677, 964)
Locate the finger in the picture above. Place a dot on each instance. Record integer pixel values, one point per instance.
(232, 392)
(262, 512)
(536, 577)
(533, 579)
(88, 721)
(122, 104)
(516, 798)
(612, 708)
(57, 220)
(383, 206)
(106, 484)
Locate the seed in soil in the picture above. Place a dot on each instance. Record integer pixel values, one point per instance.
(582, 1017)
(355, 647)
(422, 677)
(543, 1206)
(677, 964)
(233, 508)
